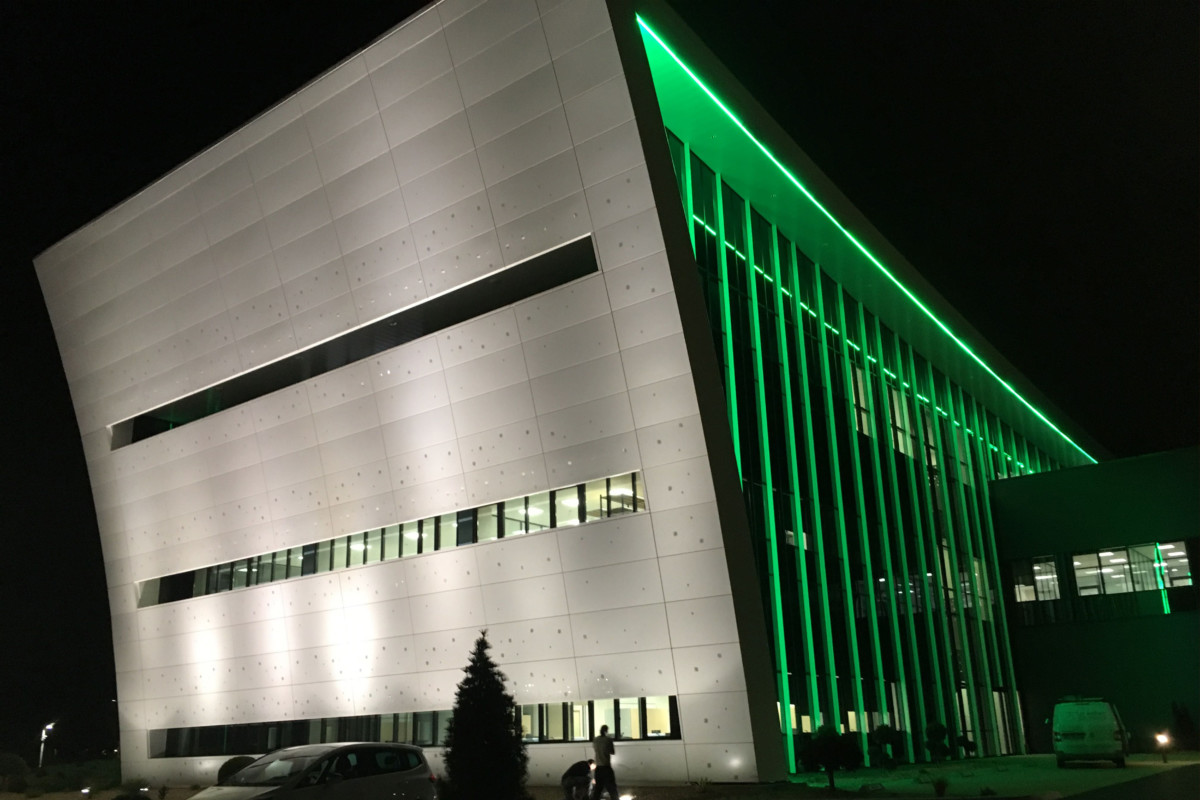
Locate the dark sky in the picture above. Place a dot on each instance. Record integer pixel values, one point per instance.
(1037, 162)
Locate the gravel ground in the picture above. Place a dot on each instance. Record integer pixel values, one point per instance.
(1010, 777)
(1013, 776)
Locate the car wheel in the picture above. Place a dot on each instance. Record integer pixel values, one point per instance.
(1062, 762)
(1120, 762)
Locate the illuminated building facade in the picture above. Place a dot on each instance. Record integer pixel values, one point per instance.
(526, 318)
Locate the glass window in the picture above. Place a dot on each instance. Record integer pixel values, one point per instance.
(410, 538)
(604, 713)
(391, 542)
(224, 577)
(1087, 574)
(1142, 568)
(566, 506)
(443, 722)
(447, 531)
(580, 722)
(339, 553)
(538, 512)
(1114, 571)
(595, 500)
(529, 723)
(427, 538)
(658, 716)
(324, 553)
(373, 550)
(423, 732)
(465, 532)
(514, 517)
(1045, 578)
(281, 565)
(631, 718)
(1024, 589)
(356, 553)
(553, 729)
(488, 523)
(1176, 568)
(621, 499)
(241, 573)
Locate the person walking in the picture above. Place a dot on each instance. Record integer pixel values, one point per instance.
(605, 778)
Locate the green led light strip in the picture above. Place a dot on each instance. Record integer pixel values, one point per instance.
(806, 308)
(854, 241)
(1160, 575)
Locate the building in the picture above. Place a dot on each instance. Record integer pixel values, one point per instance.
(527, 318)
(1100, 559)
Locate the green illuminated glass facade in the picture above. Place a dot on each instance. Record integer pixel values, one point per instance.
(864, 471)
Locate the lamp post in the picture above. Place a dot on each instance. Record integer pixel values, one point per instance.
(42, 748)
(1164, 742)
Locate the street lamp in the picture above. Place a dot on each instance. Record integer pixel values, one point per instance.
(1164, 741)
(42, 749)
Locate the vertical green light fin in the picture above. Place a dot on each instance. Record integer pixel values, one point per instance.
(969, 525)
(881, 439)
(818, 533)
(1160, 575)
(793, 460)
(727, 322)
(850, 237)
(689, 208)
(905, 581)
(764, 450)
(943, 667)
(860, 517)
(835, 472)
(980, 422)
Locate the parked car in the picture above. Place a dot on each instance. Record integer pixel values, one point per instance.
(1089, 729)
(339, 771)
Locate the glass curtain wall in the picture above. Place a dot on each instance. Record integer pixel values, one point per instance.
(864, 471)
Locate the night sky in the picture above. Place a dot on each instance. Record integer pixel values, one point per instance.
(1037, 162)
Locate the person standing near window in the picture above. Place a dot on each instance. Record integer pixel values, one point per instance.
(605, 778)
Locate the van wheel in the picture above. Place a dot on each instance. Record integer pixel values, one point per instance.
(1120, 762)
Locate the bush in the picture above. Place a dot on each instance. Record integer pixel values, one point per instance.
(18, 783)
(806, 754)
(232, 767)
(12, 766)
(935, 741)
(34, 791)
(883, 742)
(849, 752)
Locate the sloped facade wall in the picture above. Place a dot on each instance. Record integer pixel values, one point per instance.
(471, 137)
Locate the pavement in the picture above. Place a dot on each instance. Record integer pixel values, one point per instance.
(1145, 777)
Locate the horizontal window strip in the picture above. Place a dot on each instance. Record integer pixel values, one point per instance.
(628, 718)
(558, 508)
(490, 293)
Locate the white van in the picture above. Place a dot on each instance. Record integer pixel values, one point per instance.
(1089, 729)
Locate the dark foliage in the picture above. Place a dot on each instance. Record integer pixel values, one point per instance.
(827, 750)
(11, 766)
(806, 753)
(935, 741)
(485, 755)
(884, 742)
(233, 766)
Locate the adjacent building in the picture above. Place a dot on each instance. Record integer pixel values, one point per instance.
(527, 318)
(1100, 560)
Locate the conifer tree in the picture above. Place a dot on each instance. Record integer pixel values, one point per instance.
(485, 754)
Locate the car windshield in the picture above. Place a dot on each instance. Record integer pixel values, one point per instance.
(276, 768)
